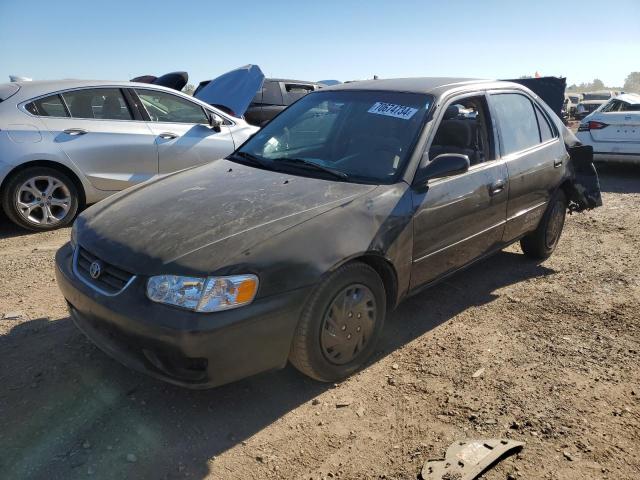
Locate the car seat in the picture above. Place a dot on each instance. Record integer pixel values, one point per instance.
(111, 109)
(455, 136)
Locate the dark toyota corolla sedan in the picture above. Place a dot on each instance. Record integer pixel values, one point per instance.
(295, 247)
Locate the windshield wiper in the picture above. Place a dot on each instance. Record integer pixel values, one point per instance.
(309, 164)
(251, 159)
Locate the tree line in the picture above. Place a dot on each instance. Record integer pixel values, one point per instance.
(631, 84)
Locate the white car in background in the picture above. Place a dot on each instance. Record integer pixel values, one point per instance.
(591, 101)
(614, 129)
(66, 144)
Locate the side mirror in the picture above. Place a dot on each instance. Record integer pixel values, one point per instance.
(445, 165)
(215, 122)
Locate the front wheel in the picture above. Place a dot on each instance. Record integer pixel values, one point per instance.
(341, 324)
(40, 199)
(541, 243)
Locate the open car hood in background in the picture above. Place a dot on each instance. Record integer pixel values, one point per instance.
(234, 90)
(549, 89)
(174, 80)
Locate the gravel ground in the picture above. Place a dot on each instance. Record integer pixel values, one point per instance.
(544, 353)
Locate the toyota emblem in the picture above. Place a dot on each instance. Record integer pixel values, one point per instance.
(95, 269)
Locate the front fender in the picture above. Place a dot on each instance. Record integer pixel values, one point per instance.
(378, 223)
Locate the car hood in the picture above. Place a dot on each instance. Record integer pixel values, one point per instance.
(198, 220)
(233, 90)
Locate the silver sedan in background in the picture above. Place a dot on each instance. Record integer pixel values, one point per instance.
(66, 144)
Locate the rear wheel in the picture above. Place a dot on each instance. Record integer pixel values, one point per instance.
(40, 198)
(541, 243)
(341, 324)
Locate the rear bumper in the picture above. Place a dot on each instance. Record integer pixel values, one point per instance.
(178, 346)
(617, 157)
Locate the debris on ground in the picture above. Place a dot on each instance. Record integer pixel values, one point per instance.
(344, 402)
(465, 460)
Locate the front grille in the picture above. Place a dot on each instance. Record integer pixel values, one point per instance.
(111, 279)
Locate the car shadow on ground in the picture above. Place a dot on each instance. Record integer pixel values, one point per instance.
(8, 229)
(67, 410)
(619, 177)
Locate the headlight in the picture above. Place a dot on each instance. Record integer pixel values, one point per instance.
(203, 294)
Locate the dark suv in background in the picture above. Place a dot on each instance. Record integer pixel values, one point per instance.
(275, 95)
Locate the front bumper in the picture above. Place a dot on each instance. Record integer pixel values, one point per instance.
(196, 350)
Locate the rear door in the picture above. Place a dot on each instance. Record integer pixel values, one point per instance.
(182, 132)
(102, 134)
(533, 152)
(618, 127)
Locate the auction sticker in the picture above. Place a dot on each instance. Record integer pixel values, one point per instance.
(392, 110)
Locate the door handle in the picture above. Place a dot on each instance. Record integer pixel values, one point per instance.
(496, 187)
(74, 132)
(557, 162)
(168, 135)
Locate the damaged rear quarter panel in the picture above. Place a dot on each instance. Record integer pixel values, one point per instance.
(584, 191)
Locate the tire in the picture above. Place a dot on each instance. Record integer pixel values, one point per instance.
(39, 211)
(356, 330)
(541, 243)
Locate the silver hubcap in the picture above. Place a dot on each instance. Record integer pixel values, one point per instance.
(43, 200)
(348, 324)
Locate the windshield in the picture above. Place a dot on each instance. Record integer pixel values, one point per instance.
(360, 136)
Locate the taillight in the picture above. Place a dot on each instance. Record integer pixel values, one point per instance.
(592, 125)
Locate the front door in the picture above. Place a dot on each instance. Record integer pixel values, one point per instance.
(459, 218)
(96, 129)
(182, 132)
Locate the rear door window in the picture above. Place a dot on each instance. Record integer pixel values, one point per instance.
(517, 122)
(164, 107)
(97, 103)
(50, 106)
(546, 131)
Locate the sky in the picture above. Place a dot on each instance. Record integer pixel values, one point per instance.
(327, 39)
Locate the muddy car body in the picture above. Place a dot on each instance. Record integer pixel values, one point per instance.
(413, 180)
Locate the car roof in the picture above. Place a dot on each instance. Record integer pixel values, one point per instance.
(42, 87)
(632, 98)
(432, 85)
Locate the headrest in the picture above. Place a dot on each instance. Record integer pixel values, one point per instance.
(454, 132)
(452, 111)
(111, 106)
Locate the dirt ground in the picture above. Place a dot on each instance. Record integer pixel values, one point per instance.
(554, 348)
